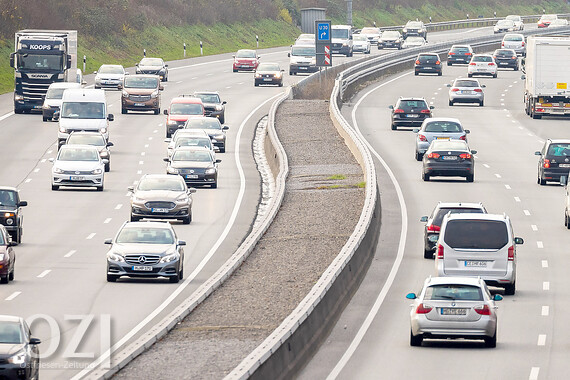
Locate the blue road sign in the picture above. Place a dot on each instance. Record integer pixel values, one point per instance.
(323, 31)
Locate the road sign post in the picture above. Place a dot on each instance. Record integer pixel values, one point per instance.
(323, 43)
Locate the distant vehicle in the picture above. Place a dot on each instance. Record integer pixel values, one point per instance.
(213, 127)
(145, 250)
(459, 54)
(181, 109)
(518, 21)
(155, 66)
(110, 76)
(514, 41)
(433, 222)
(503, 26)
(390, 39)
(141, 92)
(213, 104)
(7, 258)
(372, 34)
(454, 307)
(465, 90)
(409, 112)
(546, 20)
(246, 59)
(11, 215)
(341, 40)
(52, 101)
(18, 350)
(161, 196)
(506, 58)
(268, 73)
(559, 22)
(305, 39)
(93, 138)
(450, 158)
(78, 166)
(360, 44)
(437, 128)
(196, 165)
(428, 63)
(302, 59)
(412, 42)
(414, 28)
(554, 161)
(482, 64)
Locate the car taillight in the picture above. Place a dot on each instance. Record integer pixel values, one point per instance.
(478, 90)
(451, 53)
(417, 62)
(511, 254)
(502, 44)
(465, 156)
(513, 57)
(423, 309)
(463, 138)
(440, 251)
(422, 137)
(491, 64)
(523, 43)
(546, 163)
(398, 110)
(433, 155)
(425, 111)
(472, 64)
(467, 53)
(437, 62)
(433, 228)
(483, 310)
(454, 89)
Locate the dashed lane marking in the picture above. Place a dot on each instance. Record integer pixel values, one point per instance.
(70, 253)
(12, 296)
(44, 273)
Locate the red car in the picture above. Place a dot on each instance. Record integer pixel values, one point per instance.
(7, 256)
(545, 20)
(181, 108)
(245, 59)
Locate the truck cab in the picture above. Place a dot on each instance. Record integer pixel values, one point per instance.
(341, 38)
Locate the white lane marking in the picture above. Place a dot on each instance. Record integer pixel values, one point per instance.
(43, 160)
(520, 127)
(209, 74)
(70, 253)
(155, 131)
(38, 169)
(506, 90)
(205, 260)
(439, 89)
(487, 166)
(28, 180)
(147, 145)
(435, 93)
(508, 115)
(140, 171)
(44, 273)
(143, 153)
(49, 151)
(502, 104)
(107, 220)
(194, 78)
(544, 263)
(91, 236)
(545, 311)
(539, 244)
(526, 212)
(228, 87)
(534, 373)
(546, 285)
(118, 207)
(401, 245)
(541, 340)
(128, 194)
(540, 142)
(150, 138)
(141, 162)
(507, 187)
(12, 296)
(497, 175)
(534, 227)
(530, 134)
(517, 199)
(241, 82)
(503, 95)
(6, 115)
(514, 121)
(510, 85)
(178, 82)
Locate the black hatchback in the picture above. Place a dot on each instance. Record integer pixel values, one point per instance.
(410, 112)
(506, 58)
(459, 54)
(450, 158)
(428, 63)
(554, 161)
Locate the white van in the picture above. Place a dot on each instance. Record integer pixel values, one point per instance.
(341, 39)
(52, 100)
(478, 245)
(302, 59)
(83, 110)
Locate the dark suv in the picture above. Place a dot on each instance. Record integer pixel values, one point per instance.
(213, 105)
(11, 213)
(459, 54)
(506, 58)
(554, 161)
(428, 63)
(410, 112)
(415, 28)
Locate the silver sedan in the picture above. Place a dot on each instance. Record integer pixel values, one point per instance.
(465, 90)
(437, 128)
(454, 307)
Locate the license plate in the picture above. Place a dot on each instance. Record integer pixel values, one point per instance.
(159, 210)
(412, 115)
(268, 79)
(428, 68)
(142, 268)
(303, 68)
(564, 165)
(449, 158)
(478, 264)
(452, 311)
(467, 92)
(76, 178)
(444, 138)
(139, 104)
(38, 107)
(503, 63)
(192, 176)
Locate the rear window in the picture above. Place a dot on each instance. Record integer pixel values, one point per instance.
(426, 58)
(513, 38)
(444, 210)
(409, 105)
(454, 292)
(476, 234)
(559, 149)
(504, 53)
(482, 58)
(459, 49)
(443, 126)
(466, 83)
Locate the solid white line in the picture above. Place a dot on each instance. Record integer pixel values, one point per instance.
(43, 160)
(205, 260)
(541, 340)
(36, 170)
(507, 187)
(6, 115)
(546, 285)
(539, 244)
(91, 236)
(534, 373)
(544, 263)
(526, 212)
(545, 311)
(70, 253)
(534, 227)
(12, 296)
(44, 273)
(109, 219)
(517, 199)
(28, 180)
(401, 246)
(118, 207)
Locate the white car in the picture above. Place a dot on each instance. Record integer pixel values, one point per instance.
(514, 41)
(414, 42)
(360, 43)
(372, 33)
(482, 64)
(503, 26)
(559, 22)
(519, 24)
(110, 76)
(78, 166)
(184, 134)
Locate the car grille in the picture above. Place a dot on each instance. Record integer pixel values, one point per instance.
(136, 259)
(139, 98)
(192, 171)
(156, 204)
(336, 46)
(75, 172)
(149, 71)
(267, 76)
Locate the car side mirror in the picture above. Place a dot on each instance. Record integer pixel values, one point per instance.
(191, 190)
(218, 161)
(131, 188)
(110, 117)
(537, 154)
(110, 144)
(167, 140)
(431, 107)
(224, 102)
(391, 107)
(35, 341)
(483, 86)
(119, 87)
(160, 88)
(523, 77)
(166, 65)
(94, 72)
(181, 242)
(55, 116)
(448, 85)
(473, 152)
(467, 131)
(258, 57)
(424, 219)
(497, 297)
(411, 296)
(166, 159)
(225, 128)
(519, 240)
(22, 203)
(108, 241)
(51, 159)
(165, 112)
(136, 64)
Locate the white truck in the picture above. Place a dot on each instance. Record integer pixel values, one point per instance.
(341, 40)
(547, 76)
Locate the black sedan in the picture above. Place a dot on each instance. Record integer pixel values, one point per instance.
(197, 165)
(213, 105)
(554, 161)
(145, 250)
(269, 73)
(154, 66)
(428, 63)
(7, 257)
(459, 54)
(19, 354)
(410, 112)
(390, 39)
(506, 58)
(450, 158)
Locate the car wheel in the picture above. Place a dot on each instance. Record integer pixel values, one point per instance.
(280, 84)
(394, 127)
(469, 75)
(419, 156)
(168, 134)
(45, 118)
(256, 84)
(174, 279)
(491, 342)
(516, 68)
(181, 273)
(416, 340)
(481, 103)
(100, 188)
(112, 278)
(157, 111)
(11, 275)
(565, 219)
(186, 220)
(368, 52)
(18, 237)
(428, 254)
(135, 218)
(567, 222)
(541, 181)
(535, 116)
(222, 120)
(416, 73)
(439, 74)
(235, 71)
(108, 166)
(4, 280)
(214, 185)
(450, 103)
(223, 149)
(54, 187)
(18, 110)
(510, 289)
(449, 64)
(469, 178)
(123, 111)
(97, 87)
(494, 75)
(425, 177)
(290, 73)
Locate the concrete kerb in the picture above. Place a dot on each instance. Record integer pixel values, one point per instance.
(144, 342)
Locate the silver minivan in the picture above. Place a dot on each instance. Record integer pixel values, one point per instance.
(478, 245)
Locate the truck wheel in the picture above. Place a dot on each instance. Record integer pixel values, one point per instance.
(222, 119)
(108, 166)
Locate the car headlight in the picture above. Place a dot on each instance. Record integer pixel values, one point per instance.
(170, 258)
(137, 200)
(62, 129)
(171, 170)
(18, 358)
(172, 122)
(182, 198)
(313, 61)
(125, 94)
(57, 170)
(345, 44)
(97, 171)
(46, 107)
(211, 171)
(257, 75)
(154, 94)
(218, 107)
(18, 97)
(115, 257)
(278, 75)
(2, 256)
(404, 30)
(97, 80)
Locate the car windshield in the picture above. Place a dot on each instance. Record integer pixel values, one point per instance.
(194, 141)
(504, 23)
(390, 34)
(268, 67)
(55, 93)
(443, 126)
(409, 105)
(339, 33)
(145, 235)
(135, 81)
(559, 150)
(513, 38)
(307, 51)
(245, 54)
(192, 155)
(111, 69)
(453, 210)
(83, 110)
(369, 30)
(171, 184)
(426, 58)
(453, 292)
(8, 198)
(459, 49)
(203, 123)
(414, 24)
(97, 140)
(186, 109)
(513, 18)
(76, 154)
(151, 62)
(466, 83)
(504, 53)
(448, 145)
(482, 58)
(11, 333)
(209, 98)
(476, 234)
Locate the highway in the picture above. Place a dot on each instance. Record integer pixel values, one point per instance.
(371, 338)
(60, 271)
